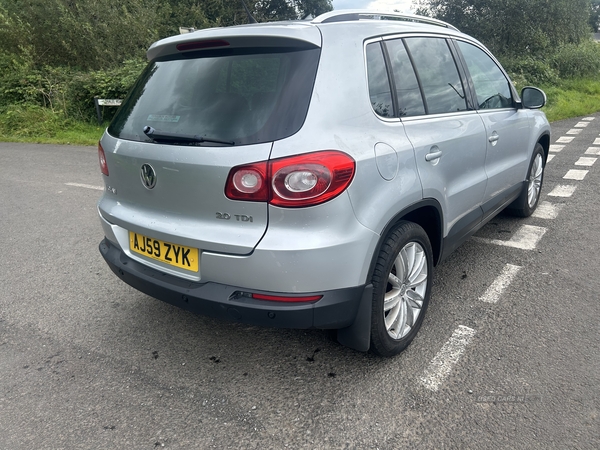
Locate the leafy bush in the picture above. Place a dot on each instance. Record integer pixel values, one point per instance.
(15, 80)
(567, 62)
(63, 90)
(529, 71)
(111, 83)
(577, 60)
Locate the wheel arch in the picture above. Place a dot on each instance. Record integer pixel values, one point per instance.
(544, 141)
(428, 215)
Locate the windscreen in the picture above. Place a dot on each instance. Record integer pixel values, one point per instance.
(243, 96)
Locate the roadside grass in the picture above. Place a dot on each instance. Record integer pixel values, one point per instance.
(572, 98)
(21, 123)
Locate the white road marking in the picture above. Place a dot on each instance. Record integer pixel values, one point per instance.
(588, 118)
(581, 124)
(547, 210)
(583, 161)
(574, 131)
(526, 238)
(556, 148)
(564, 139)
(550, 158)
(575, 174)
(495, 290)
(593, 151)
(563, 190)
(597, 141)
(443, 362)
(87, 186)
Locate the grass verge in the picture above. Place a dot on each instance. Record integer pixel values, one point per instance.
(572, 98)
(20, 123)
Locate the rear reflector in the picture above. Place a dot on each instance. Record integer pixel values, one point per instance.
(198, 45)
(279, 298)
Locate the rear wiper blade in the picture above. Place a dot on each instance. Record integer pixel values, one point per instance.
(163, 136)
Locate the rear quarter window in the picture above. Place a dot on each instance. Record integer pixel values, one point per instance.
(380, 92)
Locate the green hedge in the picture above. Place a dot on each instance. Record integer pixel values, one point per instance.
(567, 62)
(65, 91)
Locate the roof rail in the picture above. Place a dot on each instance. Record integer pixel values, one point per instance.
(345, 15)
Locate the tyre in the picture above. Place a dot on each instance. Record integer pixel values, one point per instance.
(401, 288)
(527, 202)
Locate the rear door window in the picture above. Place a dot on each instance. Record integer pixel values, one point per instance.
(410, 100)
(438, 75)
(244, 96)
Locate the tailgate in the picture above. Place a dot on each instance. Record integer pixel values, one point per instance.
(187, 205)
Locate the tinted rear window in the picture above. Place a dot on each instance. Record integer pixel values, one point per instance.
(438, 75)
(245, 97)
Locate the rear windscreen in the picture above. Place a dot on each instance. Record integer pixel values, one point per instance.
(237, 96)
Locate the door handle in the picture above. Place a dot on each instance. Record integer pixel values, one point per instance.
(493, 138)
(433, 155)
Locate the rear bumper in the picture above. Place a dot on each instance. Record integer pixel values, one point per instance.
(336, 309)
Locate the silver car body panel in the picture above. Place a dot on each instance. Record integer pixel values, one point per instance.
(456, 178)
(506, 163)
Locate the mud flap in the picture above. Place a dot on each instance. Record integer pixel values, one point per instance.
(358, 335)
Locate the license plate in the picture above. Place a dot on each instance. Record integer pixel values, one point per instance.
(166, 252)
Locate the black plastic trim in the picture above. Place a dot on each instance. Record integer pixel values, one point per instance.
(474, 221)
(336, 309)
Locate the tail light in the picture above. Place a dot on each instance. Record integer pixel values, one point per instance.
(295, 181)
(102, 160)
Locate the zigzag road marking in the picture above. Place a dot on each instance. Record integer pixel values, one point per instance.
(575, 174)
(443, 362)
(495, 290)
(547, 210)
(526, 238)
(87, 186)
(565, 140)
(562, 190)
(583, 161)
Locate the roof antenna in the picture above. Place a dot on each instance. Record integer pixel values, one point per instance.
(250, 18)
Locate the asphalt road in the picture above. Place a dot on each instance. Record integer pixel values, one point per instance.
(86, 362)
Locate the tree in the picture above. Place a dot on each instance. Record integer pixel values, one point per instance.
(88, 34)
(231, 12)
(98, 34)
(516, 27)
(595, 15)
(291, 9)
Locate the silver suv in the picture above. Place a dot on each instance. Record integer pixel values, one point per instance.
(311, 174)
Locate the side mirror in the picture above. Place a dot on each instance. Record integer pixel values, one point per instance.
(532, 98)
